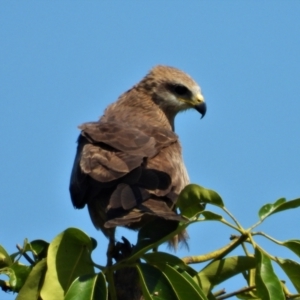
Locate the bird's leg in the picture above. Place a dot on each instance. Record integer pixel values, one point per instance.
(110, 250)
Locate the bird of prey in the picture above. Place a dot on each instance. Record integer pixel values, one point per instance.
(129, 168)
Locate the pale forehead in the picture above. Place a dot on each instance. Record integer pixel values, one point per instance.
(173, 75)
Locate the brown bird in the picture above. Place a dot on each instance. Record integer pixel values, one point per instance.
(129, 168)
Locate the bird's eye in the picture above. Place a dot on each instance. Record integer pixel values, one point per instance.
(180, 90)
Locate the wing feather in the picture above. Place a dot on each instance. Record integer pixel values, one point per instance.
(119, 169)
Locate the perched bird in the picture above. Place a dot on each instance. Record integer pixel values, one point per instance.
(129, 168)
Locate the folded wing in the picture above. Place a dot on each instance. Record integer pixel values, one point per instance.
(119, 172)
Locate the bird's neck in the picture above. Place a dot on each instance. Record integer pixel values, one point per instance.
(134, 110)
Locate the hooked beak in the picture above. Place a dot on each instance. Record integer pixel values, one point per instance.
(201, 105)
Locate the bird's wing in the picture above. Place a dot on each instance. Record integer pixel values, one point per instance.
(108, 152)
(151, 207)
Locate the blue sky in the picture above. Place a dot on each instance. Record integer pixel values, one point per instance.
(63, 62)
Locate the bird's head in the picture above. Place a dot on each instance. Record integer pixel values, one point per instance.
(173, 90)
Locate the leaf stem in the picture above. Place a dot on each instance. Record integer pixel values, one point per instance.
(255, 225)
(102, 268)
(245, 249)
(232, 226)
(268, 237)
(233, 218)
(243, 290)
(218, 254)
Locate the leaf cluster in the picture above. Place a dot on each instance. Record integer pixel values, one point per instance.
(64, 268)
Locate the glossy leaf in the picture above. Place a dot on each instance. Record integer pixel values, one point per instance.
(5, 259)
(158, 258)
(267, 284)
(88, 287)
(154, 283)
(143, 284)
(31, 288)
(190, 199)
(183, 285)
(293, 245)
(292, 270)
(69, 256)
(220, 270)
(280, 205)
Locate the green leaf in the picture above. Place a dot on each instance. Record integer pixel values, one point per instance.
(94, 242)
(222, 269)
(14, 255)
(39, 248)
(211, 216)
(69, 256)
(293, 245)
(190, 199)
(280, 205)
(31, 288)
(267, 283)
(88, 287)
(5, 259)
(143, 284)
(292, 270)
(11, 275)
(154, 283)
(21, 272)
(183, 285)
(158, 258)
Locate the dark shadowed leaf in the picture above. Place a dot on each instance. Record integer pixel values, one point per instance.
(280, 205)
(31, 288)
(143, 284)
(154, 283)
(220, 270)
(5, 259)
(191, 197)
(39, 248)
(293, 245)
(94, 242)
(155, 233)
(69, 256)
(88, 287)
(267, 283)
(292, 270)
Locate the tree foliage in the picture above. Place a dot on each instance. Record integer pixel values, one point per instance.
(64, 268)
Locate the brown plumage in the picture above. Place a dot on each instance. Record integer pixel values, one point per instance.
(128, 168)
